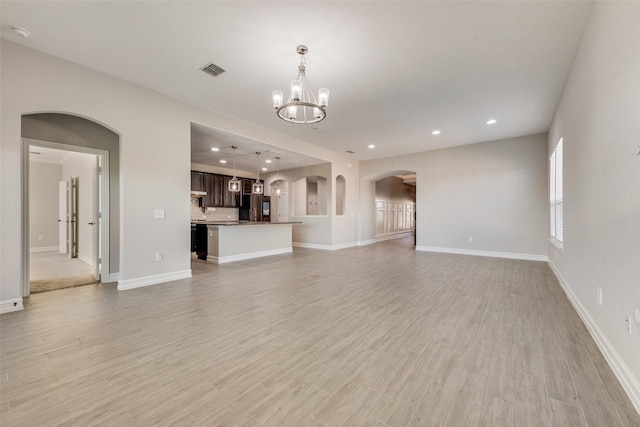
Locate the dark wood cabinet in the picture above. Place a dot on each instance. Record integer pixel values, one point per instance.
(199, 240)
(208, 187)
(216, 186)
(197, 181)
(213, 185)
(218, 190)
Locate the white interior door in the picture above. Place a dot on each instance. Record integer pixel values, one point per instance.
(96, 221)
(63, 195)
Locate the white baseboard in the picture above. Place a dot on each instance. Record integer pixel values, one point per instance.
(367, 242)
(85, 260)
(44, 249)
(344, 246)
(508, 255)
(152, 280)
(311, 246)
(111, 277)
(325, 247)
(10, 305)
(383, 237)
(250, 255)
(629, 382)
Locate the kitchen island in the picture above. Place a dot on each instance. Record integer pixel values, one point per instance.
(235, 241)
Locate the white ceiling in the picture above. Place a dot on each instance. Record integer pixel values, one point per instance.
(47, 155)
(51, 155)
(396, 70)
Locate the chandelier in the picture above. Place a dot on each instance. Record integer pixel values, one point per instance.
(301, 107)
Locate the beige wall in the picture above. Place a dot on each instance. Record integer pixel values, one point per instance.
(599, 120)
(43, 204)
(494, 192)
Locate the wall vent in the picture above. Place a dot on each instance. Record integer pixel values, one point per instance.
(350, 152)
(213, 69)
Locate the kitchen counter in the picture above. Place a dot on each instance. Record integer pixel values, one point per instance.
(240, 240)
(228, 223)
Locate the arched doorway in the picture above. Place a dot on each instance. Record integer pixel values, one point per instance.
(88, 164)
(389, 200)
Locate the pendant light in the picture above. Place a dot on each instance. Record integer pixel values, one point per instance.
(234, 183)
(257, 187)
(276, 187)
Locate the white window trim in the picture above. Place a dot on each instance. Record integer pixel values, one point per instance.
(556, 202)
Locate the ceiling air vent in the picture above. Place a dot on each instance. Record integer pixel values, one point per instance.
(350, 152)
(213, 69)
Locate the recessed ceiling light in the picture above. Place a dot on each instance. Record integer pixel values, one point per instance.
(223, 161)
(491, 121)
(372, 146)
(215, 149)
(265, 169)
(268, 161)
(435, 132)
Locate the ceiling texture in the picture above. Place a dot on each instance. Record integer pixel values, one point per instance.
(397, 70)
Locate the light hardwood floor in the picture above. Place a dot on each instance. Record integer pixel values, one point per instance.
(378, 336)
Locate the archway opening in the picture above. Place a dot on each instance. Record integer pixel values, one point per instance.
(80, 220)
(395, 204)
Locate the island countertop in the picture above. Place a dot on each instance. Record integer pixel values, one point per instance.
(240, 223)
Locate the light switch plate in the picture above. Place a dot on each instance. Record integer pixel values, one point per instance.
(158, 213)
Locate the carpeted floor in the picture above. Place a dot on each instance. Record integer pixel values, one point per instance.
(53, 270)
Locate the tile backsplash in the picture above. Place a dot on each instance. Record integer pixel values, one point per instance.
(212, 214)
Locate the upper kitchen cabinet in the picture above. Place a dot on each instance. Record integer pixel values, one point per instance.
(214, 186)
(197, 181)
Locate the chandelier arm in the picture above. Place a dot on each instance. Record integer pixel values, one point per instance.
(280, 111)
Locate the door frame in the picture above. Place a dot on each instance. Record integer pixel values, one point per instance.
(103, 192)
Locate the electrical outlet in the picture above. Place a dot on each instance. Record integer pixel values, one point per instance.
(159, 256)
(599, 296)
(40, 237)
(470, 239)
